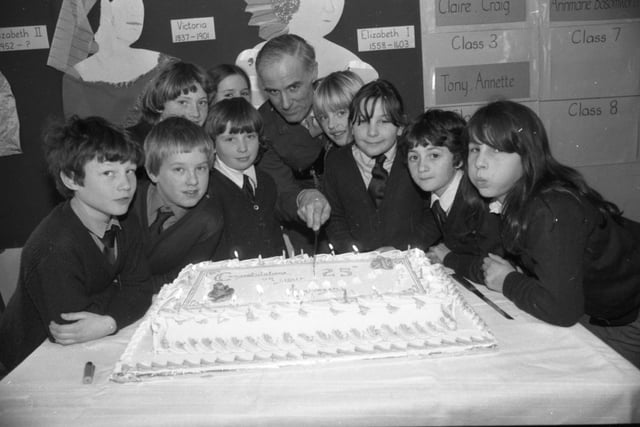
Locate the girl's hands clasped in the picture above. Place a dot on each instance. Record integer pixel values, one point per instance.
(495, 270)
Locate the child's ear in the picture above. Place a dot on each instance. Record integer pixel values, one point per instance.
(152, 177)
(69, 182)
(400, 131)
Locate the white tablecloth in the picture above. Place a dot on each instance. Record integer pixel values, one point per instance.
(539, 374)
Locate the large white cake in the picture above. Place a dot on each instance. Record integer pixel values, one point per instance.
(275, 312)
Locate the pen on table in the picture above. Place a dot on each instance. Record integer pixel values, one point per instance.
(89, 370)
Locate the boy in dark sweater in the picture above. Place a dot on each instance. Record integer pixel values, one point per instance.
(183, 224)
(83, 274)
(374, 202)
(247, 194)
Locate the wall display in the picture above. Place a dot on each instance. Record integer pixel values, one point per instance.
(104, 52)
(590, 84)
(576, 63)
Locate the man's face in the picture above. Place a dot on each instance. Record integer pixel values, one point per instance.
(289, 86)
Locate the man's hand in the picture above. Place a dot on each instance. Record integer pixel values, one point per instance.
(495, 270)
(87, 327)
(313, 208)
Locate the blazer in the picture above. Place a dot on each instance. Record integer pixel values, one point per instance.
(403, 219)
(470, 235)
(192, 239)
(250, 228)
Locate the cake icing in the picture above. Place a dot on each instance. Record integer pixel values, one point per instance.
(275, 312)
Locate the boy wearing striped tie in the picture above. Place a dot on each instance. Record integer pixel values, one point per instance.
(374, 203)
(183, 224)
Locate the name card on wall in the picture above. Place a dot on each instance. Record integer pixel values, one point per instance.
(606, 58)
(593, 131)
(477, 83)
(23, 38)
(386, 38)
(593, 10)
(471, 12)
(192, 29)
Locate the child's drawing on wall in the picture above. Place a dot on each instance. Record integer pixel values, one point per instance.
(104, 75)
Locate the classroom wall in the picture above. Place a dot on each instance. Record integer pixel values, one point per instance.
(408, 42)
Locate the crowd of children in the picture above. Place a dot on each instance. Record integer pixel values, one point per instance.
(485, 198)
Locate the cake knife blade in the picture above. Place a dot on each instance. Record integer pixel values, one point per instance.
(468, 285)
(315, 249)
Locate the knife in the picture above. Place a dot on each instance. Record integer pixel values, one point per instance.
(315, 249)
(467, 284)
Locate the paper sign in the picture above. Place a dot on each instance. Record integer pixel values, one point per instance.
(591, 61)
(386, 38)
(481, 83)
(593, 131)
(192, 29)
(470, 12)
(593, 10)
(23, 38)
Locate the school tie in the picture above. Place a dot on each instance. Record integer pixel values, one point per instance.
(247, 188)
(439, 214)
(378, 180)
(109, 243)
(156, 226)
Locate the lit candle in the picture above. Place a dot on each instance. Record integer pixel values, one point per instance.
(259, 258)
(331, 247)
(355, 249)
(235, 253)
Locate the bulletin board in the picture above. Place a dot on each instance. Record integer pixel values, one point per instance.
(27, 29)
(577, 63)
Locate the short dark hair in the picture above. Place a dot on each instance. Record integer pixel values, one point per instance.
(175, 78)
(286, 44)
(439, 128)
(240, 115)
(361, 109)
(69, 146)
(237, 112)
(221, 72)
(175, 135)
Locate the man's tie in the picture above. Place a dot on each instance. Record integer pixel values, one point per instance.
(109, 242)
(378, 180)
(439, 214)
(247, 188)
(156, 226)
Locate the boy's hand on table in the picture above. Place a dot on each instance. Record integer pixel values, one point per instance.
(313, 208)
(85, 327)
(437, 252)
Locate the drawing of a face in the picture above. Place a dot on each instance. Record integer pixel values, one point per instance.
(316, 17)
(127, 18)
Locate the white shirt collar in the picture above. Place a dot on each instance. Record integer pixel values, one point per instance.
(495, 207)
(97, 228)
(235, 175)
(449, 195)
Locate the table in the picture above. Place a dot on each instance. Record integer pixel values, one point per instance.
(540, 374)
